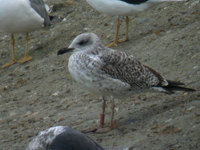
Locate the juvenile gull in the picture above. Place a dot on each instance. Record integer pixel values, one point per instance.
(112, 73)
(22, 16)
(122, 8)
(62, 138)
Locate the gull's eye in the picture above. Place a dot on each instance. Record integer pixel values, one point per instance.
(83, 42)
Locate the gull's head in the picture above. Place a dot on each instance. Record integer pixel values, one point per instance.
(83, 42)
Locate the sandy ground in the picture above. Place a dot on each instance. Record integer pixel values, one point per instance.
(41, 93)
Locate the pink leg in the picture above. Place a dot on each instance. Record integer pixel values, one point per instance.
(102, 116)
(101, 129)
(112, 112)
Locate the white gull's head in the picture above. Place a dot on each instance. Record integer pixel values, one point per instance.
(85, 41)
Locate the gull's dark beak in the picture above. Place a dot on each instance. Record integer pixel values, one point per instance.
(64, 50)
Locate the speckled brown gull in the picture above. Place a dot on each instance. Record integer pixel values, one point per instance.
(113, 73)
(62, 138)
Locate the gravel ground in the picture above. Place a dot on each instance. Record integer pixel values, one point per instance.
(41, 93)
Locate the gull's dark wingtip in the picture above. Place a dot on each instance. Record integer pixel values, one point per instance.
(177, 86)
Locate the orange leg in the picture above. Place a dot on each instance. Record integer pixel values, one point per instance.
(116, 41)
(26, 56)
(13, 61)
(127, 25)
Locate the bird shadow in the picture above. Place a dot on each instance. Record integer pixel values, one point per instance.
(145, 115)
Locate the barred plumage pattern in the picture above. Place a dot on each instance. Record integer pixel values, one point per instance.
(110, 72)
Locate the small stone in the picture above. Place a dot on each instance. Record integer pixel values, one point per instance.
(117, 109)
(28, 91)
(55, 94)
(13, 127)
(68, 2)
(169, 120)
(64, 19)
(11, 74)
(176, 39)
(28, 113)
(68, 91)
(61, 119)
(143, 20)
(12, 114)
(5, 88)
(86, 108)
(195, 67)
(190, 108)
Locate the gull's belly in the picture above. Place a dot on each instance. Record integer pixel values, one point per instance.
(98, 83)
(116, 7)
(19, 17)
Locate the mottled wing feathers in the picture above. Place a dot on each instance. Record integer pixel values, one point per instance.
(162, 81)
(119, 65)
(39, 7)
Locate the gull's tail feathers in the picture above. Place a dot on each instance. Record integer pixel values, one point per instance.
(176, 86)
(172, 87)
